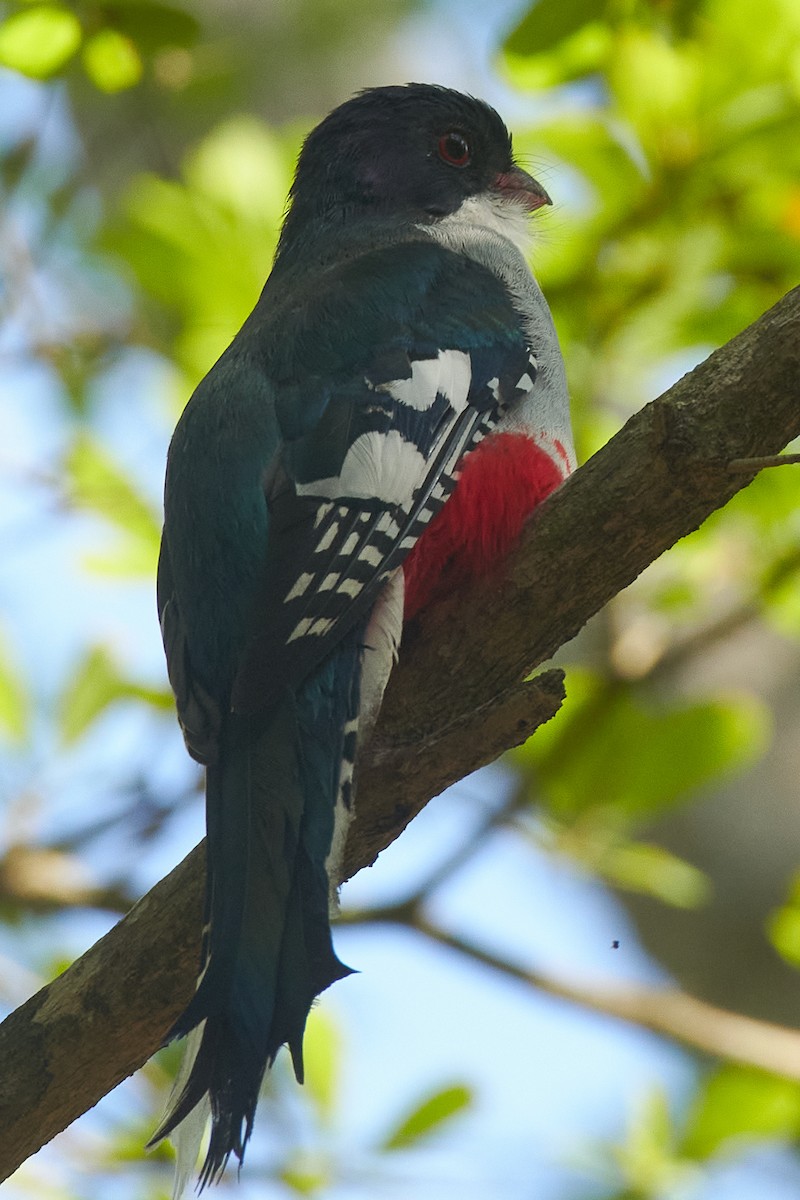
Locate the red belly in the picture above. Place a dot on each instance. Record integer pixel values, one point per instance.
(502, 481)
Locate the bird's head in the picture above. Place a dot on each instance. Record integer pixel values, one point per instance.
(415, 152)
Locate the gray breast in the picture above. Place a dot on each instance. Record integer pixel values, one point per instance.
(499, 245)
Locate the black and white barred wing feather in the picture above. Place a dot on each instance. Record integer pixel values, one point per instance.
(349, 497)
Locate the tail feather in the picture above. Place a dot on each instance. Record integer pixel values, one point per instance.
(187, 1135)
(307, 967)
(268, 952)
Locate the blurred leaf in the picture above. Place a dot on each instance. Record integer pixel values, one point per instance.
(783, 604)
(14, 700)
(39, 41)
(428, 1117)
(584, 52)
(656, 86)
(95, 685)
(646, 1164)
(783, 928)
(770, 505)
(607, 163)
(97, 484)
(16, 161)
(322, 1052)
(607, 748)
(783, 925)
(599, 842)
(112, 61)
(203, 248)
(154, 26)
(549, 22)
(242, 166)
(646, 1155)
(740, 1102)
(304, 1175)
(654, 871)
(681, 14)
(130, 560)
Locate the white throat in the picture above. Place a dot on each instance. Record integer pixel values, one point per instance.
(493, 214)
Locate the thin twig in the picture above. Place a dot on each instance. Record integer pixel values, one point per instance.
(668, 1011)
(751, 465)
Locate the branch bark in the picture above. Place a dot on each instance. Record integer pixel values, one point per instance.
(456, 700)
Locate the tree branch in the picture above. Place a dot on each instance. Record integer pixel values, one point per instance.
(695, 1023)
(656, 481)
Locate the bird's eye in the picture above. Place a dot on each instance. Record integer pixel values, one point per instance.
(454, 150)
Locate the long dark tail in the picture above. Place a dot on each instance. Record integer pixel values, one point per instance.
(267, 952)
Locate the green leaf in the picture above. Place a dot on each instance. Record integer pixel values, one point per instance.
(585, 52)
(96, 684)
(647, 1159)
(40, 40)
(203, 248)
(306, 1175)
(783, 925)
(14, 702)
(112, 61)
(549, 22)
(783, 930)
(740, 1102)
(97, 484)
(242, 167)
(322, 1052)
(428, 1117)
(155, 26)
(657, 87)
(646, 1155)
(607, 748)
(653, 871)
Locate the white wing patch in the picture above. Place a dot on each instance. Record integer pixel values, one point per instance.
(371, 555)
(386, 466)
(382, 465)
(378, 466)
(329, 536)
(394, 478)
(301, 586)
(448, 375)
(314, 626)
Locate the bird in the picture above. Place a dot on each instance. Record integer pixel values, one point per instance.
(375, 437)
